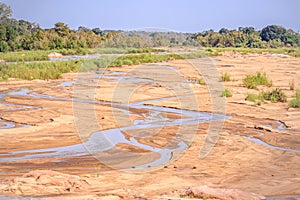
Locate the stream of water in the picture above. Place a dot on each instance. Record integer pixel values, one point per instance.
(153, 118)
(115, 136)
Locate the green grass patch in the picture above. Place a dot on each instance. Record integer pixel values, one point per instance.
(226, 93)
(38, 70)
(251, 81)
(142, 58)
(126, 50)
(39, 55)
(22, 56)
(54, 69)
(145, 50)
(295, 52)
(196, 54)
(295, 103)
(79, 51)
(225, 77)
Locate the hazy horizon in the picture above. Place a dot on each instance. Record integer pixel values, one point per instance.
(180, 16)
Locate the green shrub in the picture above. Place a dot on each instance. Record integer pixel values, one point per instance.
(251, 97)
(226, 93)
(251, 81)
(276, 95)
(295, 103)
(225, 77)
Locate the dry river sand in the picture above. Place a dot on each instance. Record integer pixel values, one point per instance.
(238, 160)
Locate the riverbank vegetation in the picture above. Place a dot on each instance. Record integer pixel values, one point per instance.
(42, 55)
(54, 69)
(17, 35)
(38, 70)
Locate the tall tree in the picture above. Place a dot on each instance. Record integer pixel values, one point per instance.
(61, 29)
(272, 32)
(5, 11)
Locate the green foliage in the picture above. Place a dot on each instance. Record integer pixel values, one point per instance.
(252, 97)
(251, 81)
(295, 52)
(4, 46)
(295, 103)
(131, 59)
(274, 96)
(196, 54)
(143, 58)
(272, 32)
(21, 56)
(144, 50)
(271, 36)
(38, 70)
(18, 35)
(5, 11)
(39, 55)
(125, 50)
(77, 51)
(226, 93)
(225, 77)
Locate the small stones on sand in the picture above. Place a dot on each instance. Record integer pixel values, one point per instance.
(44, 182)
(219, 193)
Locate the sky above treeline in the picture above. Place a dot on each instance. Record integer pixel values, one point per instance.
(176, 15)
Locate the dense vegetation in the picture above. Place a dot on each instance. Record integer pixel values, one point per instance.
(272, 36)
(38, 70)
(54, 70)
(23, 35)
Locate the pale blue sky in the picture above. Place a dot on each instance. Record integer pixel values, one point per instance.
(178, 15)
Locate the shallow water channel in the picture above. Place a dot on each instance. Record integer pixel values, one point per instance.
(104, 140)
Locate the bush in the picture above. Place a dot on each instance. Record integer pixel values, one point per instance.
(226, 93)
(251, 81)
(274, 96)
(251, 97)
(225, 77)
(295, 103)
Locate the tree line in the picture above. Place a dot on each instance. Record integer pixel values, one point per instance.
(18, 35)
(272, 36)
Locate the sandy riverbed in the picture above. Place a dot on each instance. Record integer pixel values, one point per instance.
(257, 152)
